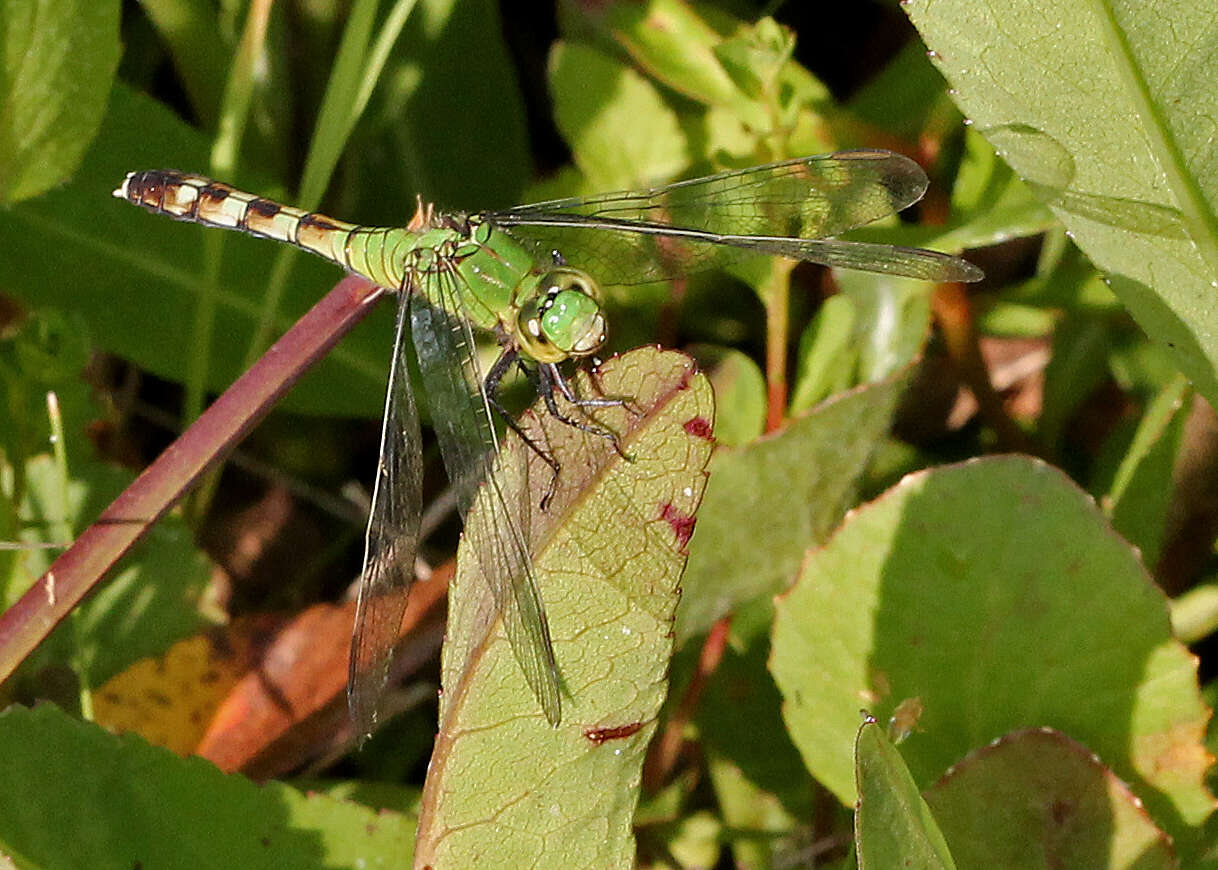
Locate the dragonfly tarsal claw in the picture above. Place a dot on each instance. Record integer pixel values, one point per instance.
(546, 499)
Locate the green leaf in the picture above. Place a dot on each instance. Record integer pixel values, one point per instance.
(1012, 320)
(372, 793)
(764, 795)
(740, 396)
(59, 59)
(1100, 107)
(1037, 799)
(450, 121)
(151, 600)
(1077, 367)
(892, 321)
(608, 553)
(827, 358)
(755, 56)
(675, 44)
(1029, 612)
(1193, 617)
(874, 327)
(756, 101)
(761, 829)
(1068, 280)
(1142, 490)
(990, 204)
(200, 56)
(768, 501)
(893, 825)
(45, 353)
(693, 841)
(901, 96)
(135, 277)
(127, 804)
(621, 131)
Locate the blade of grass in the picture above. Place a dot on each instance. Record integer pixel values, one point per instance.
(347, 94)
(234, 112)
(62, 529)
(189, 29)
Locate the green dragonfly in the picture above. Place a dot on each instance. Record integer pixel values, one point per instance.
(531, 276)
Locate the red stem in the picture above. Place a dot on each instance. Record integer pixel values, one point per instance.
(24, 625)
(665, 750)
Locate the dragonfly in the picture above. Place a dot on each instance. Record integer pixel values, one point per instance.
(532, 276)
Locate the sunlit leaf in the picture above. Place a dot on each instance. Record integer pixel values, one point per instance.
(1140, 498)
(598, 102)
(1029, 612)
(827, 359)
(608, 553)
(1037, 799)
(59, 59)
(77, 796)
(893, 826)
(770, 500)
(674, 42)
(1100, 108)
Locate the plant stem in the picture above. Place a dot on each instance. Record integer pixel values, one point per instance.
(776, 293)
(24, 625)
(234, 112)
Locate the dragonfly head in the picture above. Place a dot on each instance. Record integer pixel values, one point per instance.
(563, 317)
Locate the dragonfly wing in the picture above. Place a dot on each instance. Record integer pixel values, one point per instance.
(887, 259)
(636, 237)
(642, 253)
(392, 543)
(462, 418)
(808, 197)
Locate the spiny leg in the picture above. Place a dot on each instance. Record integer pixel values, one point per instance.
(551, 377)
(491, 386)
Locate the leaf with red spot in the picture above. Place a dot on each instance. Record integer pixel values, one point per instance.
(682, 524)
(608, 553)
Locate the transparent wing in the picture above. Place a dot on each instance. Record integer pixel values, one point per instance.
(461, 415)
(785, 209)
(392, 543)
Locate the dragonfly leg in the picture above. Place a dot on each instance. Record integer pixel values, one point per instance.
(491, 386)
(550, 377)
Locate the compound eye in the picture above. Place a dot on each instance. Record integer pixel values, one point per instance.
(565, 278)
(564, 319)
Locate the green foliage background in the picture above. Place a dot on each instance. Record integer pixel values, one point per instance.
(870, 549)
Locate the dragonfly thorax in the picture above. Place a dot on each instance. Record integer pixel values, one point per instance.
(562, 318)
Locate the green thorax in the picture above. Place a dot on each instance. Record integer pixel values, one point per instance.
(461, 264)
(467, 266)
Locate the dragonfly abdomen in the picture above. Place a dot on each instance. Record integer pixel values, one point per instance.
(200, 200)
